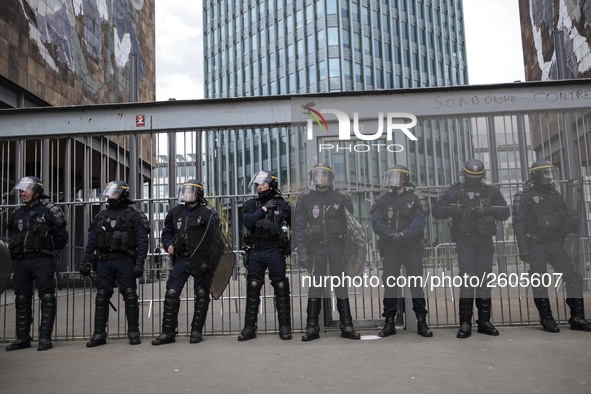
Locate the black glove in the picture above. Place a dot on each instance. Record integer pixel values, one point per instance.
(204, 267)
(396, 237)
(482, 211)
(85, 268)
(461, 210)
(271, 204)
(138, 270)
(303, 259)
(525, 256)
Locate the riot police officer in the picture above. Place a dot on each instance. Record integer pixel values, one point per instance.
(184, 227)
(116, 249)
(267, 218)
(398, 218)
(474, 208)
(320, 231)
(37, 232)
(540, 222)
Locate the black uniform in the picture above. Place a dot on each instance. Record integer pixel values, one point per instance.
(473, 215)
(268, 244)
(399, 220)
(184, 228)
(320, 229)
(540, 222)
(118, 245)
(37, 231)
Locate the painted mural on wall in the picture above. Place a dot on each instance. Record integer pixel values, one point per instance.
(566, 20)
(91, 41)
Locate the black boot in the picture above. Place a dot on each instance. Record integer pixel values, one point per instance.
(253, 300)
(466, 307)
(24, 316)
(199, 314)
(347, 329)
(484, 324)
(283, 307)
(577, 315)
(546, 320)
(132, 311)
(101, 318)
(389, 327)
(170, 315)
(422, 327)
(48, 310)
(312, 324)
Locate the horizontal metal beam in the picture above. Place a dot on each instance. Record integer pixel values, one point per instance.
(458, 101)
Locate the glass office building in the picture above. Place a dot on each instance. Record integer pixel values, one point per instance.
(275, 47)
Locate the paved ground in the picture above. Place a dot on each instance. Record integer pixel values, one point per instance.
(521, 359)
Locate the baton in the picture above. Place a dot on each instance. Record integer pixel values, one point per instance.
(94, 283)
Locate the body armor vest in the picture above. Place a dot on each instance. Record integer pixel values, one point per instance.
(115, 231)
(269, 228)
(327, 221)
(399, 217)
(189, 227)
(545, 220)
(482, 225)
(31, 231)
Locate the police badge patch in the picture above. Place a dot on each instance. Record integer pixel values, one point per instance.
(315, 211)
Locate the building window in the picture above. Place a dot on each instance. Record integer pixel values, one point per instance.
(334, 67)
(321, 70)
(333, 36)
(331, 7)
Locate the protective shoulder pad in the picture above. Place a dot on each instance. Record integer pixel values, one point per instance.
(57, 214)
(423, 202)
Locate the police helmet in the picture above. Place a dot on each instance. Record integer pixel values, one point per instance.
(543, 173)
(473, 174)
(116, 190)
(396, 176)
(191, 191)
(30, 184)
(321, 175)
(265, 176)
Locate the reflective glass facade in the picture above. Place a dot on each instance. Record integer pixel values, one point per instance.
(272, 47)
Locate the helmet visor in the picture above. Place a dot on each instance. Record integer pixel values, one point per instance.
(112, 192)
(321, 177)
(260, 178)
(394, 178)
(27, 185)
(548, 176)
(189, 192)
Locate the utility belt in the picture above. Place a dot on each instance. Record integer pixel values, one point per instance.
(263, 245)
(113, 254)
(543, 238)
(32, 255)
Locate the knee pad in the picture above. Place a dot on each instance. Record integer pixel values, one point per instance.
(172, 293)
(129, 295)
(48, 298)
(22, 300)
(282, 288)
(201, 293)
(103, 295)
(253, 288)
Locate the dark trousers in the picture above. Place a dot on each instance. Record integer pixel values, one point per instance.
(260, 260)
(553, 253)
(120, 271)
(412, 259)
(327, 260)
(181, 271)
(475, 257)
(39, 271)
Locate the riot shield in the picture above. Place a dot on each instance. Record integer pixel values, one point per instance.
(215, 251)
(574, 204)
(5, 265)
(355, 247)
